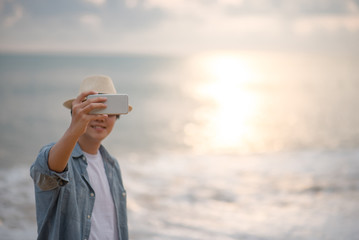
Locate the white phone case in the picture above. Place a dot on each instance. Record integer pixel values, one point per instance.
(116, 104)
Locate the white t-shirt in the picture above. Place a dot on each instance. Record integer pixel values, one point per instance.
(103, 219)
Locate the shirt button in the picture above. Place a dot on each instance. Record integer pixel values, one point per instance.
(83, 158)
(92, 194)
(124, 194)
(88, 216)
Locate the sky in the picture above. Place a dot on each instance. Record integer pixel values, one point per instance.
(178, 26)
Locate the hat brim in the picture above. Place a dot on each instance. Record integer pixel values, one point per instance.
(68, 104)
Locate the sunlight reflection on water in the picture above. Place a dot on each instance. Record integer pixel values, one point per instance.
(226, 120)
(269, 103)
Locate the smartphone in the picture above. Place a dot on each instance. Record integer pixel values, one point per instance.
(116, 104)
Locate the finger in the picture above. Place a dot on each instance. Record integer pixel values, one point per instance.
(89, 102)
(82, 97)
(93, 105)
(98, 99)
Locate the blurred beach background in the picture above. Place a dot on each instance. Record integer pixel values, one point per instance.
(245, 121)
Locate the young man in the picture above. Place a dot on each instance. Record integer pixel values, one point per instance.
(78, 185)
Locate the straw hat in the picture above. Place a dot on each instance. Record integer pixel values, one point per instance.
(98, 83)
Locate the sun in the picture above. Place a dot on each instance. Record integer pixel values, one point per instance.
(224, 120)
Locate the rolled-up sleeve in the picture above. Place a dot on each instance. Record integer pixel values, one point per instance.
(42, 176)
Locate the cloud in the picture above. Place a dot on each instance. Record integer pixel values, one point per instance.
(285, 7)
(329, 24)
(176, 25)
(131, 3)
(258, 17)
(91, 21)
(352, 7)
(12, 13)
(96, 2)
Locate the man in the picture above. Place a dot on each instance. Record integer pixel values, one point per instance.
(78, 185)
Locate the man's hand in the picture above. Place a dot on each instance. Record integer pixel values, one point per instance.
(61, 151)
(81, 109)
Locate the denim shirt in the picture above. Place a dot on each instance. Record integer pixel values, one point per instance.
(64, 201)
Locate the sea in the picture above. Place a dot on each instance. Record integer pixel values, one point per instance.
(244, 145)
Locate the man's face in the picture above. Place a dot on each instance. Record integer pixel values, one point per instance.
(98, 130)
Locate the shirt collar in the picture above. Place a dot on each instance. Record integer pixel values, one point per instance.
(77, 152)
(105, 155)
